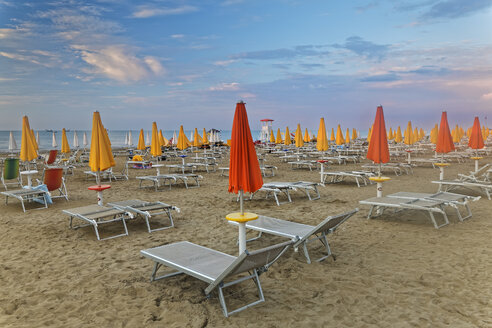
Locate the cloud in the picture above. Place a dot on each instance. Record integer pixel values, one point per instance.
(390, 77)
(366, 7)
(361, 47)
(116, 63)
(487, 96)
(20, 57)
(456, 8)
(231, 2)
(233, 86)
(225, 62)
(177, 36)
(147, 11)
(305, 50)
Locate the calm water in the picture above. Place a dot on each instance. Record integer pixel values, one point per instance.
(117, 137)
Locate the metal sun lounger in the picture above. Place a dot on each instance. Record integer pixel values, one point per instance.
(451, 198)
(276, 188)
(379, 204)
(300, 234)
(303, 164)
(172, 179)
(96, 215)
(26, 195)
(268, 170)
(340, 176)
(147, 210)
(214, 267)
(484, 186)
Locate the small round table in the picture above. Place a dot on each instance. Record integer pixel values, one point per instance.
(476, 158)
(379, 181)
(322, 162)
(441, 169)
(241, 219)
(99, 190)
(409, 152)
(29, 173)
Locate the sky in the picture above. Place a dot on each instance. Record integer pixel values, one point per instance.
(188, 62)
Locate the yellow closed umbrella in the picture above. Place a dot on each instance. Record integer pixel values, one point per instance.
(141, 141)
(369, 134)
(347, 136)
(65, 148)
(332, 136)
(155, 144)
(101, 156)
(183, 142)
(272, 137)
(28, 149)
(433, 134)
(163, 141)
(408, 134)
(390, 134)
(298, 138)
(415, 135)
(339, 139)
(322, 140)
(205, 137)
(354, 134)
(398, 136)
(287, 140)
(279, 137)
(306, 136)
(422, 134)
(196, 139)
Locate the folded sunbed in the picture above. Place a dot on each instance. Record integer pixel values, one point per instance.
(380, 204)
(301, 234)
(214, 267)
(147, 210)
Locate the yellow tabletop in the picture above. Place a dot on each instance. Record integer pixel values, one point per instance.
(442, 164)
(379, 179)
(241, 218)
(476, 157)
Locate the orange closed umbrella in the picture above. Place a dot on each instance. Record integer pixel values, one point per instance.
(444, 140)
(378, 150)
(476, 140)
(322, 140)
(65, 148)
(101, 156)
(155, 145)
(141, 141)
(287, 140)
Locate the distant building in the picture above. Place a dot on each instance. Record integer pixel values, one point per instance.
(266, 129)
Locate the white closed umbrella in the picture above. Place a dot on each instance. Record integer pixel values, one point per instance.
(130, 141)
(53, 140)
(175, 138)
(75, 139)
(191, 136)
(37, 138)
(147, 139)
(126, 139)
(84, 140)
(12, 143)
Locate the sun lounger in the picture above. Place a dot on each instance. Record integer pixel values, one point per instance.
(303, 164)
(30, 195)
(224, 171)
(182, 168)
(479, 175)
(172, 179)
(301, 234)
(214, 267)
(97, 215)
(451, 198)
(482, 186)
(268, 170)
(276, 188)
(339, 176)
(147, 210)
(379, 204)
(103, 175)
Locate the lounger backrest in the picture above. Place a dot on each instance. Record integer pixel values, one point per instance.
(247, 261)
(53, 178)
(330, 223)
(52, 156)
(11, 168)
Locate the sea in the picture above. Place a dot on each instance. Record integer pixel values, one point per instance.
(117, 137)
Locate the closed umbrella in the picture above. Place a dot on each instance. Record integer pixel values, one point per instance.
(33, 138)
(433, 134)
(339, 139)
(28, 149)
(205, 137)
(84, 140)
(147, 139)
(369, 133)
(65, 148)
(272, 137)
(476, 140)
(390, 134)
(75, 140)
(398, 136)
(378, 150)
(141, 140)
(126, 138)
(298, 137)
(332, 136)
(101, 156)
(279, 137)
(37, 137)
(322, 140)
(175, 138)
(287, 140)
(306, 136)
(155, 146)
(53, 140)
(182, 140)
(196, 139)
(347, 137)
(244, 169)
(354, 134)
(130, 138)
(444, 143)
(12, 143)
(408, 140)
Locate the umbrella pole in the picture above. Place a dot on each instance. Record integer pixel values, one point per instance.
(29, 183)
(242, 226)
(99, 193)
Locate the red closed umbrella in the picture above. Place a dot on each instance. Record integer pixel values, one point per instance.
(476, 139)
(444, 139)
(378, 150)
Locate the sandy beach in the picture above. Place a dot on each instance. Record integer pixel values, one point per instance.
(392, 271)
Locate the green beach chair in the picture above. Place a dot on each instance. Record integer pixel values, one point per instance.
(11, 173)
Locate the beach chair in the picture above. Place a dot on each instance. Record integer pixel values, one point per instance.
(300, 234)
(339, 176)
(28, 194)
(430, 206)
(11, 173)
(172, 179)
(479, 175)
(103, 175)
(147, 210)
(453, 200)
(217, 269)
(267, 170)
(276, 188)
(54, 181)
(96, 215)
(484, 187)
(51, 158)
(303, 164)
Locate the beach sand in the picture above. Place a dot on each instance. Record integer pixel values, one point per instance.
(392, 271)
